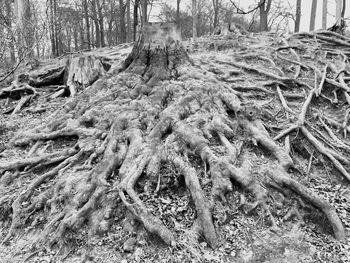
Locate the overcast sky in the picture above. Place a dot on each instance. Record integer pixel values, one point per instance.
(305, 11)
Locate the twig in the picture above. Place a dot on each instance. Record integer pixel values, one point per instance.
(18, 64)
(310, 163)
(324, 38)
(254, 70)
(319, 90)
(286, 131)
(301, 120)
(325, 152)
(345, 122)
(297, 73)
(333, 136)
(347, 97)
(335, 123)
(287, 144)
(23, 101)
(283, 101)
(288, 47)
(242, 12)
(302, 115)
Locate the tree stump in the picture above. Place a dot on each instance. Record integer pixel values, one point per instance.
(82, 72)
(227, 29)
(157, 53)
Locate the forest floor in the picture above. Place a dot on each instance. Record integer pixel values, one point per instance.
(244, 236)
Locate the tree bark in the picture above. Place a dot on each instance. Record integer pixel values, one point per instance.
(83, 45)
(23, 18)
(178, 12)
(52, 29)
(338, 10)
(313, 15)
(297, 16)
(265, 6)
(136, 7)
(12, 45)
(82, 71)
(37, 38)
(343, 9)
(216, 13)
(87, 23)
(157, 53)
(144, 11)
(122, 8)
(128, 21)
(75, 37)
(195, 18)
(101, 21)
(324, 14)
(97, 26)
(57, 22)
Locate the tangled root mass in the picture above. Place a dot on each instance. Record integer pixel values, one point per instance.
(161, 107)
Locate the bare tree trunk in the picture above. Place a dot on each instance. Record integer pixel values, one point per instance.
(343, 9)
(12, 45)
(195, 18)
(122, 7)
(136, 7)
(36, 33)
(216, 13)
(265, 6)
(82, 36)
(101, 22)
(110, 32)
(93, 37)
(23, 18)
(75, 37)
(69, 38)
(263, 20)
(58, 29)
(87, 23)
(324, 14)
(338, 10)
(178, 12)
(52, 29)
(128, 21)
(313, 15)
(297, 16)
(97, 26)
(144, 11)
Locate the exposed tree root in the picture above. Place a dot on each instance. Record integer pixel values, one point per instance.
(324, 151)
(202, 205)
(161, 108)
(62, 79)
(280, 177)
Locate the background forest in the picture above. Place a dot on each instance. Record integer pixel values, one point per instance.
(52, 28)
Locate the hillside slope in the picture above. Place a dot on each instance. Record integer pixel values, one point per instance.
(242, 155)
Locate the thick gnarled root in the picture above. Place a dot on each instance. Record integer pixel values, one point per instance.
(203, 207)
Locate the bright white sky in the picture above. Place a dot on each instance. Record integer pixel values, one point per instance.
(305, 11)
